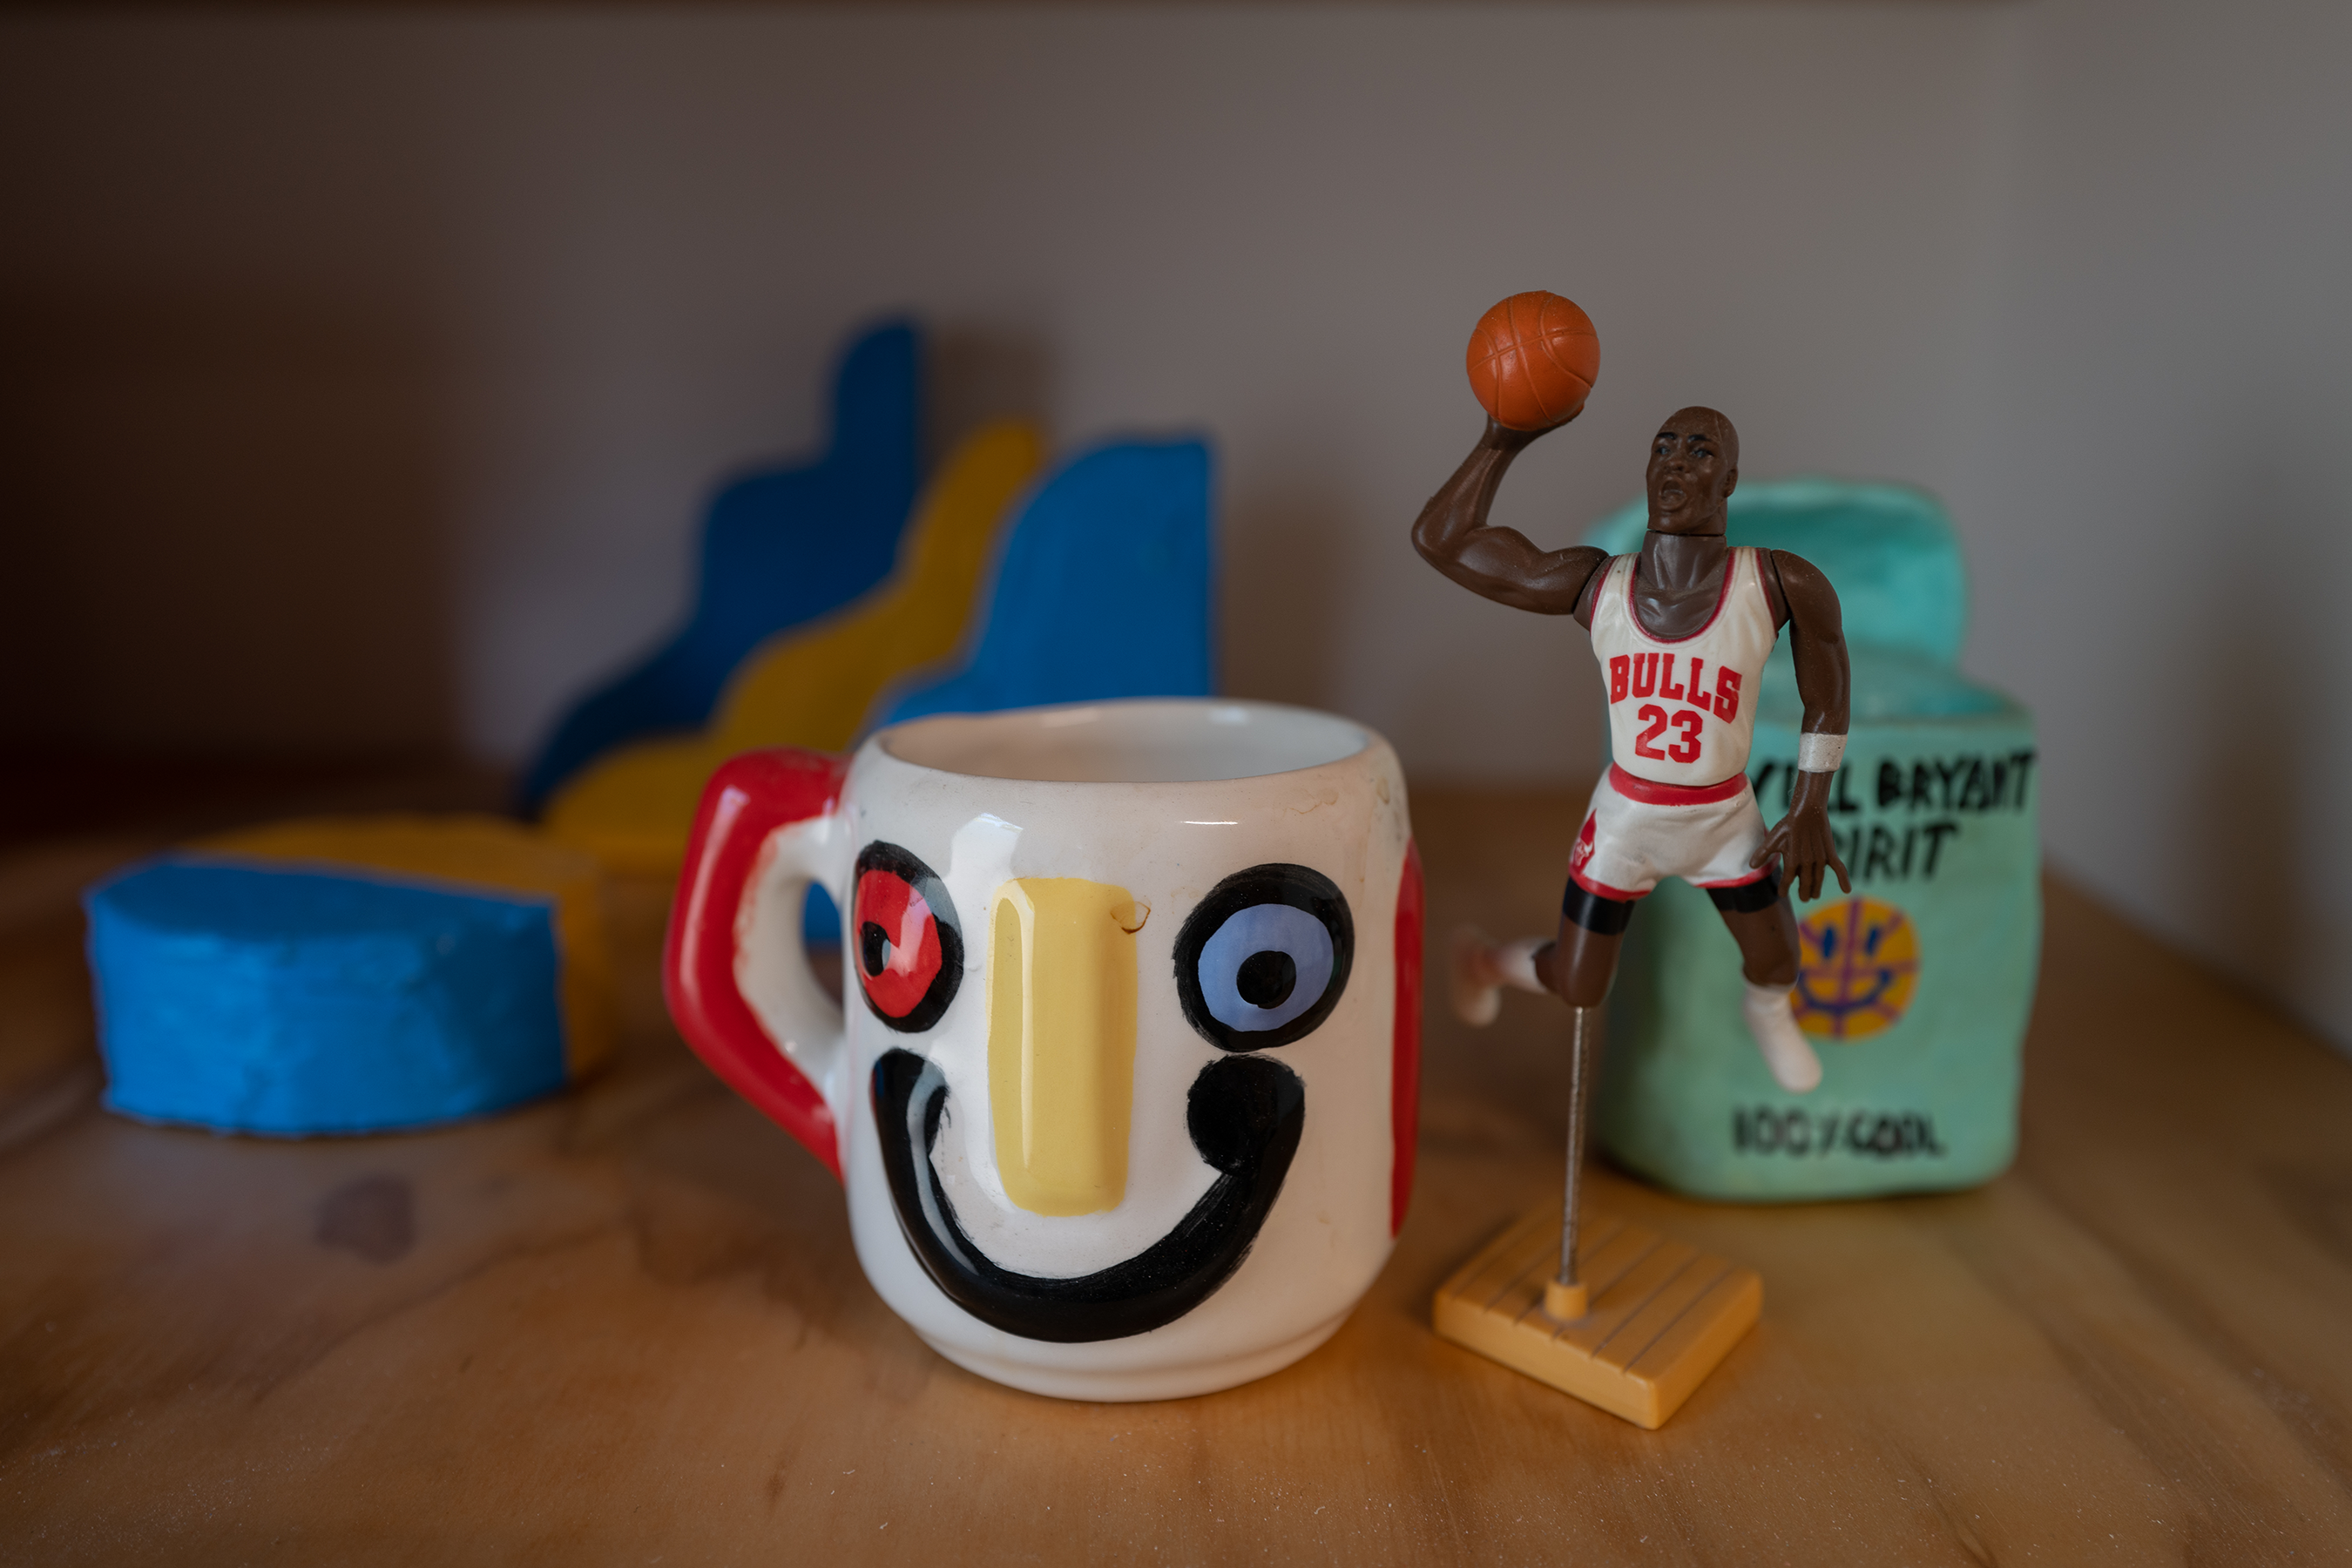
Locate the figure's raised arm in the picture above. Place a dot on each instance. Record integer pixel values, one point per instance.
(1501, 564)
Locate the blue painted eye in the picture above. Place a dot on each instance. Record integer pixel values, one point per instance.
(1262, 960)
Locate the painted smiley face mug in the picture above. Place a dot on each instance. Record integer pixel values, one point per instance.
(1124, 1092)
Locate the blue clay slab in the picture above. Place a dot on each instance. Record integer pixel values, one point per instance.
(1104, 590)
(248, 998)
(1889, 550)
(779, 547)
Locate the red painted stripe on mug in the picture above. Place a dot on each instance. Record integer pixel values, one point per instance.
(1404, 1085)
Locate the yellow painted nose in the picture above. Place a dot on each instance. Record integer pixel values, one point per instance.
(1061, 1040)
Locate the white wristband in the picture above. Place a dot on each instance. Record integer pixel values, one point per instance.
(1820, 754)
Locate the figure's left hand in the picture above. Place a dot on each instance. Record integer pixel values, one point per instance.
(1806, 847)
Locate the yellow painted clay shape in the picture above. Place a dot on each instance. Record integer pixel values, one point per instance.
(485, 851)
(812, 686)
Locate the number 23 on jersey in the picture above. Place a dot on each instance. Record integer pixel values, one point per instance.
(1638, 675)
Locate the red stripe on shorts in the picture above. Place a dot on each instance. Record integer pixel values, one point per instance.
(1603, 890)
(1650, 792)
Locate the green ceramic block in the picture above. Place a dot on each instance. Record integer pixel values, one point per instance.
(1916, 989)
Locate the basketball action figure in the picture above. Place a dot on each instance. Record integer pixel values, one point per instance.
(1680, 632)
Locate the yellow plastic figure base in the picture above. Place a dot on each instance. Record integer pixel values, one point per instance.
(1659, 1315)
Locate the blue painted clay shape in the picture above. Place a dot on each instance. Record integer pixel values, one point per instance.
(779, 547)
(290, 1000)
(1104, 590)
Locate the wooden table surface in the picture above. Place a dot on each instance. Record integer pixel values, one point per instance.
(627, 1326)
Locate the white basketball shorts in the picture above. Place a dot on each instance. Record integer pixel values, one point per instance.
(1638, 832)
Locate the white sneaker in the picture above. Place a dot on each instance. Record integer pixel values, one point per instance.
(1477, 990)
(1786, 1050)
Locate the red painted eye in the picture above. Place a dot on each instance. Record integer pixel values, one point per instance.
(907, 945)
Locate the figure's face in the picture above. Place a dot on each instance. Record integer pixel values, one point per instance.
(1048, 1196)
(1693, 466)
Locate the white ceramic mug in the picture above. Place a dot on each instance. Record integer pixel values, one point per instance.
(1125, 1092)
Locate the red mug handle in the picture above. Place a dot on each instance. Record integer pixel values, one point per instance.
(734, 973)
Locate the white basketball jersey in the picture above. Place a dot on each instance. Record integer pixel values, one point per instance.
(1682, 710)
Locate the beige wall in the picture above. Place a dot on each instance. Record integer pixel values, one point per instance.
(2157, 495)
(363, 375)
(464, 314)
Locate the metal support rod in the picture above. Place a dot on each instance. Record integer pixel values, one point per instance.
(1567, 1298)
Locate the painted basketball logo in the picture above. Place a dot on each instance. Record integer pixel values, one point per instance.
(1860, 964)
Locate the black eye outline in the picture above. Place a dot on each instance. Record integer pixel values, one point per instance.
(1296, 886)
(909, 868)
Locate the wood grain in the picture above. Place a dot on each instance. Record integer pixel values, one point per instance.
(1651, 1317)
(626, 1324)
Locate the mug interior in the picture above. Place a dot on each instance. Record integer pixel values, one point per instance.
(1168, 741)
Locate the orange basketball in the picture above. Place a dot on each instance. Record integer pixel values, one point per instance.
(1533, 359)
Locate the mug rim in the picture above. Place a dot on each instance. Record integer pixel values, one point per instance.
(1365, 741)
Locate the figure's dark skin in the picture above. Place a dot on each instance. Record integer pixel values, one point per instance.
(1693, 466)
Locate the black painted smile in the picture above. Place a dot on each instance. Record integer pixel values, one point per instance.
(1245, 1115)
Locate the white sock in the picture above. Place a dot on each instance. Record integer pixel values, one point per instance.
(1515, 961)
(1786, 1050)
